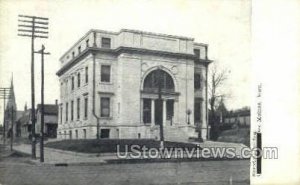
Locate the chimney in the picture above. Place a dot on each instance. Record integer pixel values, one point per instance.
(25, 107)
(56, 102)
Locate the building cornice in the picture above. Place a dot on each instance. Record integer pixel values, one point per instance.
(123, 49)
(126, 30)
(203, 61)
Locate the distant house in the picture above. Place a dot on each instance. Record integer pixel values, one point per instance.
(50, 120)
(24, 123)
(240, 117)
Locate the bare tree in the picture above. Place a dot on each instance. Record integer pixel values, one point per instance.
(217, 77)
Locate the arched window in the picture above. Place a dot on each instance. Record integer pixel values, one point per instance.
(156, 78)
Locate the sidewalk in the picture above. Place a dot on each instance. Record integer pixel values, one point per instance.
(54, 156)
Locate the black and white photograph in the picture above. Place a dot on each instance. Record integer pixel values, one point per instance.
(133, 92)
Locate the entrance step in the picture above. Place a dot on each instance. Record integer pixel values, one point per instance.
(173, 133)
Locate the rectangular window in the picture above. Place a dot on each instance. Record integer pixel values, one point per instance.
(197, 81)
(79, 49)
(104, 133)
(170, 109)
(197, 53)
(105, 73)
(72, 110)
(67, 111)
(197, 110)
(105, 106)
(73, 54)
(72, 83)
(66, 88)
(61, 113)
(86, 74)
(87, 42)
(84, 133)
(76, 134)
(147, 110)
(78, 108)
(78, 80)
(70, 134)
(85, 108)
(105, 42)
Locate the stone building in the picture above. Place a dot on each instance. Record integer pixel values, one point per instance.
(110, 83)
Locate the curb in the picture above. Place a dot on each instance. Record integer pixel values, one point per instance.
(134, 161)
(80, 153)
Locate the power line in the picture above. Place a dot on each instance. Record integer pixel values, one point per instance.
(4, 94)
(27, 27)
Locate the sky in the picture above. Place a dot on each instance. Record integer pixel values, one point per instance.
(224, 25)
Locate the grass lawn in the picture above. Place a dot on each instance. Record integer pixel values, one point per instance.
(110, 145)
(241, 135)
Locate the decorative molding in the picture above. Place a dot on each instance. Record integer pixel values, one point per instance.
(144, 67)
(123, 49)
(174, 69)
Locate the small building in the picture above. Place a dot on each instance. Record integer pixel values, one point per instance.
(50, 120)
(125, 84)
(24, 123)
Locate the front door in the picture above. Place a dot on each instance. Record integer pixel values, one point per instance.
(158, 112)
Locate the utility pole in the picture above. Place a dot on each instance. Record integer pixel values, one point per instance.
(33, 27)
(161, 108)
(42, 52)
(4, 94)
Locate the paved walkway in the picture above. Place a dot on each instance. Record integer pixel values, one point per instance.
(53, 156)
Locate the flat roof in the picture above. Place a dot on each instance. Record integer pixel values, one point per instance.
(126, 30)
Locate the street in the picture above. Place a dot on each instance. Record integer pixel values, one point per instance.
(16, 170)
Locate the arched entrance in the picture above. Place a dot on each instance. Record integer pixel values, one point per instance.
(158, 97)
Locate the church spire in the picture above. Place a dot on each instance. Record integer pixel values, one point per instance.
(11, 100)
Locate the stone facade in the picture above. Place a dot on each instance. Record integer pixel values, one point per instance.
(111, 82)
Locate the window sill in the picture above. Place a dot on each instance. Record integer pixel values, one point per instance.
(106, 118)
(105, 83)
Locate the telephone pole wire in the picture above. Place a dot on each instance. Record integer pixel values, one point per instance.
(33, 27)
(4, 94)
